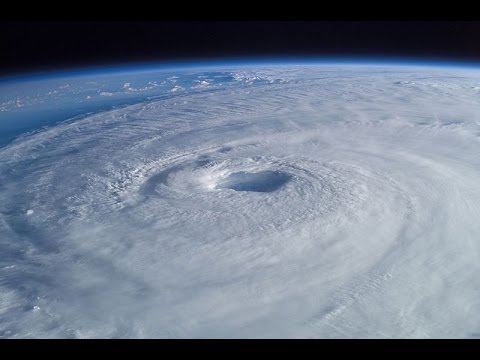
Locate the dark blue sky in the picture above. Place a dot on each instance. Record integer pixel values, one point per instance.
(50, 45)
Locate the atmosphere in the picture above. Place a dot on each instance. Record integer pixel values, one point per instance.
(53, 45)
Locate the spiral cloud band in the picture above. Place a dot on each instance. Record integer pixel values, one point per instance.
(308, 201)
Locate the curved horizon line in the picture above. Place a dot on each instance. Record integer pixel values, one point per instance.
(131, 66)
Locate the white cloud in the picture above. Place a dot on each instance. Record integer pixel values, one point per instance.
(363, 221)
(176, 88)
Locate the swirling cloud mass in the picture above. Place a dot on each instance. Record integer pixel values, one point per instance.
(327, 202)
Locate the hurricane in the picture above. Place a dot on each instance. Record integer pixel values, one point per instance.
(285, 201)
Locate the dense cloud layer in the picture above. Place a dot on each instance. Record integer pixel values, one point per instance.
(328, 202)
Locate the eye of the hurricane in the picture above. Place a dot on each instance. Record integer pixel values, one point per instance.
(262, 181)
